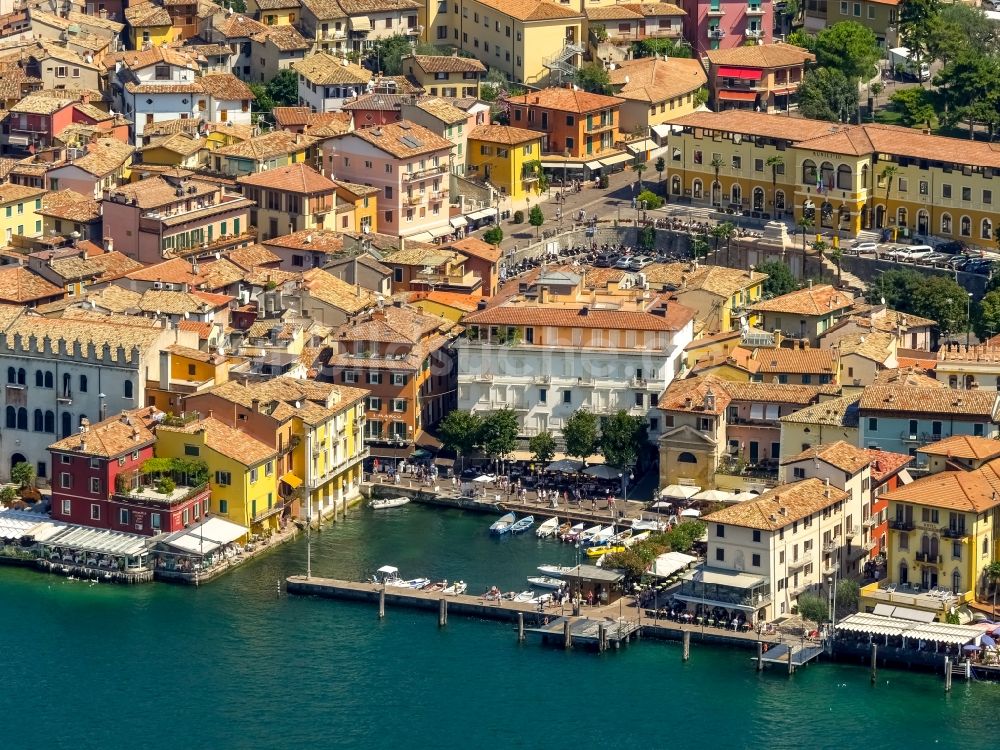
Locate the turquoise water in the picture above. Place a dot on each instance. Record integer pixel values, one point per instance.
(235, 665)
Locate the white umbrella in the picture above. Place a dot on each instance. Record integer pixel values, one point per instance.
(690, 513)
(602, 471)
(681, 491)
(662, 504)
(484, 478)
(742, 497)
(714, 496)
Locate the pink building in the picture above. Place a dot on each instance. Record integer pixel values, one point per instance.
(723, 24)
(409, 165)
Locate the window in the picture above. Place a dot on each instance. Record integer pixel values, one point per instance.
(128, 389)
(737, 162)
(799, 473)
(349, 376)
(567, 397)
(253, 475)
(65, 480)
(755, 560)
(901, 184)
(191, 450)
(720, 530)
(223, 478)
(720, 554)
(922, 186)
(543, 396)
(224, 507)
(268, 468)
(67, 507)
(398, 378)
(966, 194)
(872, 424)
(95, 512)
(83, 384)
(399, 404)
(374, 378)
(123, 516)
(95, 486)
(756, 535)
(843, 8)
(946, 191)
(374, 403)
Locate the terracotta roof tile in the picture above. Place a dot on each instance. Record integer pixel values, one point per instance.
(228, 441)
(964, 446)
(704, 394)
(818, 300)
(901, 398)
(70, 206)
(285, 37)
(567, 100)
(252, 256)
(268, 146)
(876, 345)
(475, 247)
(277, 397)
(531, 10)
(238, 26)
(324, 69)
(336, 292)
(885, 463)
(104, 156)
(910, 376)
(795, 361)
(225, 86)
(457, 300)
(650, 79)
(503, 134)
(403, 139)
(145, 15)
(840, 455)
(173, 271)
(677, 316)
(21, 286)
(976, 491)
(446, 64)
(443, 110)
(748, 122)
(777, 55)
(100, 268)
(123, 433)
(295, 178)
(781, 506)
(319, 240)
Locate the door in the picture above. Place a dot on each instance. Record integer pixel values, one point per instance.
(754, 452)
(923, 223)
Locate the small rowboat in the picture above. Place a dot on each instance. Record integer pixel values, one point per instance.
(547, 528)
(563, 529)
(458, 587)
(573, 534)
(545, 582)
(603, 549)
(587, 534)
(522, 525)
(555, 570)
(502, 525)
(388, 502)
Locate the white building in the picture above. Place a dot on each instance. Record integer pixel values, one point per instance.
(225, 98)
(155, 85)
(58, 371)
(764, 553)
(556, 347)
(326, 81)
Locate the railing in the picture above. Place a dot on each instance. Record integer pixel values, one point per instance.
(869, 545)
(797, 564)
(928, 558)
(600, 125)
(541, 379)
(801, 588)
(753, 33)
(637, 382)
(870, 522)
(423, 174)
(851, 532)
(716, 33)
(953, 533)
(180, 420)
(755, 10)
(831, 567)
(830, 547)
(900, 525)
(920, 437)
(413, 199)
(129, 497)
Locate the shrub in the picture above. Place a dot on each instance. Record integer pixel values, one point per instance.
(602, 181)
(653, 201)
(493, 235)
(518, 217)
(165, 486)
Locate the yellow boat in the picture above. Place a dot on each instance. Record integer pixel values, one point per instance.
(604, 550)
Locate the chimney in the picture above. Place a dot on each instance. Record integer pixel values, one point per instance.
(810, 283)
(109, 244)
(255, 405)
(164, 370)
(826, 488)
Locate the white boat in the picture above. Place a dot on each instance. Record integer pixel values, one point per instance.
(641, 525)
(602, 536)
(458, 587)
(502, 525)
(541, 599)
(387, 575)
(388, 502)
(587, 534)
(636, 538)
(573, 534)
(555, 570)
(620, 538)
(522, 524)
(546, 582)
(524, 596)
(547, 528)
(415, 583)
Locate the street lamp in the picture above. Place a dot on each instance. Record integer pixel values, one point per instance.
(968, 319)
(565, 169)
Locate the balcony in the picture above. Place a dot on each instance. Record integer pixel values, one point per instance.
(541, 379)
(869, 545)
(414, 30)
(147, 494)
(954, 533)
(801, 588)
(926, 558)
(753, 33)
(797, 564)
(871, 522)
(830, 547)
(755, 10)
(851, 532)
(602, 124)
(760, 473)
(898, 524)
(830, 567)
(716, 33)
(638, 382)
(716, 11)
(423, 174)
(413, 199)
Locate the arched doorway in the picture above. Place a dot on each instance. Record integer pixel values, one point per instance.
(879, 217)
(716, 194)
(758, 199)
(675, 185)
(923, 222)
(17, 458)
(736, 194)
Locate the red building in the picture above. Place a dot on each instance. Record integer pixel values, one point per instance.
(38, 119)
(885, 469)
(98, 479)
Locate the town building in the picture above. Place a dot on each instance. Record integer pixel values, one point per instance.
(18, 212)
(889, 471)
(761, 77)
(287, 199)
(911, 331)
(420, 266)
(20, 286)
(444, 75)
(275, 13)
(799, 366)
(331, 301)
(863, 355)
(77, 269)
(828, 421)
(279, 148)
(764, 553)
(326, 81)
(409, 164)
(881, 16)
(959, 453)
(446, 120)
(804, 314)
(66, 211)
(655, 91)
(505, 157)
(150, 25)
(100, 480)
(357, 207)
(553, 348)
(277, 49)
(724, 24)
(613, 28)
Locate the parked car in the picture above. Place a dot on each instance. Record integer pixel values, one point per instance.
(863, 248)
(952, 247)
(605, 260)
(934, 259)
(957, 262)
(624, 263)
(638, 262)
(912, 253)
(982, 266)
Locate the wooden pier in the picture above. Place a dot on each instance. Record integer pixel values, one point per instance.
(790, 656)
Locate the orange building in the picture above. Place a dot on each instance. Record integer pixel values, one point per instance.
(578, 126)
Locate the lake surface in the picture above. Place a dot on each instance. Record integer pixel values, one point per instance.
(233, 664)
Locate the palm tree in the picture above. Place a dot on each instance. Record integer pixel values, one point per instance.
(820, 247)
(992, 573)
(717, 165)
(639, 169)
(660, 166)
(774, 162)
(806, 224)
(837, 255)
(888, 173)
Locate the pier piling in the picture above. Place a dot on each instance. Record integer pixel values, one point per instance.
(520, 627)
(567, 635)
(686, 650)
(442, 612)
(602, 637)
(791, 665)
(760, 655)
(947, 674)
(381, 603)
(874, 663)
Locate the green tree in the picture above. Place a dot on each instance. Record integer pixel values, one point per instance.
(498, 435)
(813, 607)
(876, 88)
(660, 47)
(802, 38)
(837, 256)
(827, 94)
(917, 22)
(992, 574)
(542, 446)
(580, 434)
(820, 247)
(968, 88)
(22, 474)
(493, 235)
(283, 89)
(387, 53)
(701, 97)
(717, 164)
(536, 218)
(847, 597)
(681, 538)
(915, 106)
(660, 166)
(647, 239)
(779, 279)
(622, 437)
(7, 495)
(593, 77)
(806, 224)
(724, 230)
(775, 163)
(887, 175)
(939, 298)
(699, 247)
(460, 432)
(639, 169)
(263, 103)
(651, 199)
(849, 48)
(986, 322)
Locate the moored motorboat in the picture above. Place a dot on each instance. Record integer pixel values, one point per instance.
(573, 534)
(620, 538)
(502, 525)
(602, 536)
(522, 524)
(546, 582)
(436, 586)
(564, 529)
(541, 599)
(603, 549)
(643, 525)
(387, 575)
(636, 538)
(547, 528)
(388, 502)
(458, 587)
(415, 583)
(524, 596)
(555, 570)
(587, 534)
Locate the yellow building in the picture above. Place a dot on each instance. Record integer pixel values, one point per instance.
(506, 158)
(242, 473)
(178, 150)
(942, 530)
(316, 429)
(184, 371)
(722, 296)
(527, 40)
(445, 75)
(656, 91)
(357, 207)
(275, 12)
(448, 305)
(289, 199)
(18, 212)
(150, 24)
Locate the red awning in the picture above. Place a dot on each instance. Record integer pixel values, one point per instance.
(737, 96)
(746, 74)
(783, 91)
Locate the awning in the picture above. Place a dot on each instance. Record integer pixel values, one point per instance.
(613, 160)
(593, 164)
(481, 214)
(419, 237)
(641, 146)
(360, 23)
(441, 231)
(737, 96)
(662, 131)
(427, 440)
(786, 90)
(18, 140)
(291, 480)
(745, 74)
(680, 491)
(669, 563)
(458, 222)
(383, 452)
(714, 603)
(207, 536)
(562, 165)
(101, 541)
(904, 477)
